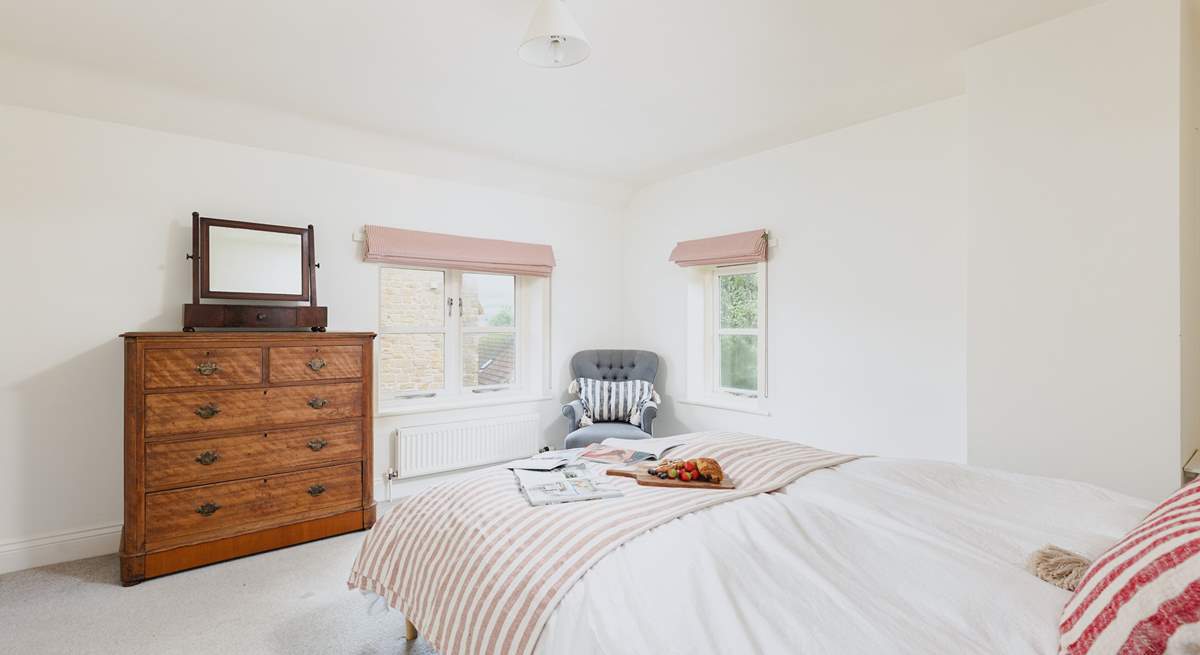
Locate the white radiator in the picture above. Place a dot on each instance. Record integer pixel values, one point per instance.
(426, 449)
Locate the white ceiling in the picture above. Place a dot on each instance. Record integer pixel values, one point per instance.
(671, 85)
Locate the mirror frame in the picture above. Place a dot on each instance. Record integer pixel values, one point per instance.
(305, 268)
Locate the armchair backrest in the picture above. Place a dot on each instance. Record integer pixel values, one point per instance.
(615, 365)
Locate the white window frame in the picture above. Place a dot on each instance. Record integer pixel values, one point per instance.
(703, 343)
(463, 331)
(718, 331)
(531, 327)
(444, 330)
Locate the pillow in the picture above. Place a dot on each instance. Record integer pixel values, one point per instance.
(612, 401)
(1143, 595)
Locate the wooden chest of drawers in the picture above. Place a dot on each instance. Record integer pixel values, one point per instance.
(241, 442)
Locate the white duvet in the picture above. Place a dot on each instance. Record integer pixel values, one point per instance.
(874, 556)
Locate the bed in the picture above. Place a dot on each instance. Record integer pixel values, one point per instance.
(870, 555)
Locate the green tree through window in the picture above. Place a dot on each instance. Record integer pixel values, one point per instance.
(737, 331)
(739, 301)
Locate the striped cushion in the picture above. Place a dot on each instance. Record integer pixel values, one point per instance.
(610, 401)
(1143, 595)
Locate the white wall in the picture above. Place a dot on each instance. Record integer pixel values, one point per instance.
(866, 287)
(95, 224)
(1074, 257)
(1189, 228)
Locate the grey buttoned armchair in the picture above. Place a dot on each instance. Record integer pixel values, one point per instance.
(610, 365)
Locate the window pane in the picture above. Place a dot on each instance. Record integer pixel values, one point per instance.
(412, 362)
(739, 362)
(412, 298)
(488, 300)
(739, 300)
(489, 359)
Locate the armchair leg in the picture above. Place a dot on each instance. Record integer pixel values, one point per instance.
(410, 630)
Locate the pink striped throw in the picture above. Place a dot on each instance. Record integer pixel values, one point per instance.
(478, 570)
(1138, 595)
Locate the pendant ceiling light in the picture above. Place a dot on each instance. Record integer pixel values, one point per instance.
(554, 39)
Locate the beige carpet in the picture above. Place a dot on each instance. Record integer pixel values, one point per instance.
(288, 601)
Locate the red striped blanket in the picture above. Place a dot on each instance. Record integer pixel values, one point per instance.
(478, 570)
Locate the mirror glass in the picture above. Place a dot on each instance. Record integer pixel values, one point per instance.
(254, 261)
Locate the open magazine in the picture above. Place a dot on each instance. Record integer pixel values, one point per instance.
(547, 461)
(629, 451)
(566, 485)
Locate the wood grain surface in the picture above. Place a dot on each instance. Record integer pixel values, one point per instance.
(175, 517)
(315, 363)
(202, 367)
(214, 459)
(647, 480)
(218, 550)
(317, 402)
(184, 413)
(281, 448)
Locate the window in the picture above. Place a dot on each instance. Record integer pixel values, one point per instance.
(727, 336)
(487, 313)
(737, 330)
(413, 316)
(456, 336)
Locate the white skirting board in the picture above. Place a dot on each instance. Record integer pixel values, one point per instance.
(59, 547)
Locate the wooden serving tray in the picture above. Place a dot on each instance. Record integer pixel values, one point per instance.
(647, 480)
(638, 472)
(631, 471)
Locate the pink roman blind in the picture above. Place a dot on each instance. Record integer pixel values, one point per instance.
(391, 245)
(741, 248)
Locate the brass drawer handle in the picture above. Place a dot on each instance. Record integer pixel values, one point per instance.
(207, 368)
(317, 403)
(207, 509)
(207, 457)
(208, 411)
(316, 490)
(316, 363)
(317, 444)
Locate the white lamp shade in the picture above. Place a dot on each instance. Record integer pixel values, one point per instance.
(554, 39)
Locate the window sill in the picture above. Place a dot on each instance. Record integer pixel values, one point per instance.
(400, 408)
(752, 407)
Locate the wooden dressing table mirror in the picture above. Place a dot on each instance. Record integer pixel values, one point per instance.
(238, 260)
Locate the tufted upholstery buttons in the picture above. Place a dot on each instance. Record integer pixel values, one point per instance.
(616, 365)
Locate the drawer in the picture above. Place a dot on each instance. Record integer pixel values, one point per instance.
(275, 317)
(217, 510)
(205, 411)
(315, 363)
(202, 367)
(316, 402)
(217, 459)
(197, 412)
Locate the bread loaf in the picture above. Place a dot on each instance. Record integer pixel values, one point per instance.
(709, 469)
